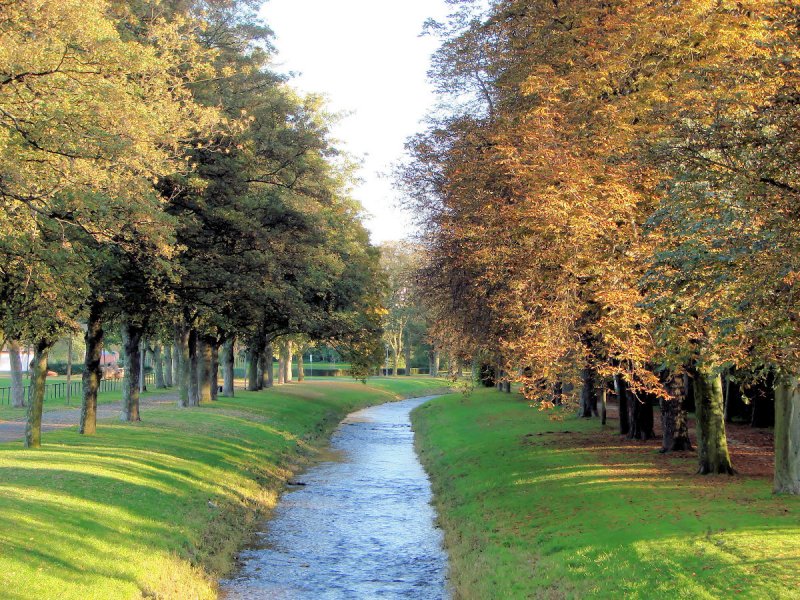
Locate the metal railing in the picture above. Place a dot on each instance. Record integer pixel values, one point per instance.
(58, 389)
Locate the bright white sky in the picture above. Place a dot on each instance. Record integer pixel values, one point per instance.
(367, 57)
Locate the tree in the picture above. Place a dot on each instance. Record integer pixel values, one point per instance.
(398, 261)
(73, 174)
(17, 390)
(577, 136)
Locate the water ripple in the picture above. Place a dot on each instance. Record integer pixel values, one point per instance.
(360, 528)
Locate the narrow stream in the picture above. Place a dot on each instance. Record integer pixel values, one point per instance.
(361, 527)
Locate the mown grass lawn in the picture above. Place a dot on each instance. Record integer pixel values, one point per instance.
(9, 413)
(158, 509)
(539, 508)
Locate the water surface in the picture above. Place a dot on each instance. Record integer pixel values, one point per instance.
(361, 527)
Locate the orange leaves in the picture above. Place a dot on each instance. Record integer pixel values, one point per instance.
(619, 137)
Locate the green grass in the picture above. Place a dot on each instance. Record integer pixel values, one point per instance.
(320, 365)
(158, 509)
(540, 508)
(8, 413)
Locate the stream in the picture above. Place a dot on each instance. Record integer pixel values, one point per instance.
(361, 527)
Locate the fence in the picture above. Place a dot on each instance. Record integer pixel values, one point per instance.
(53, 391)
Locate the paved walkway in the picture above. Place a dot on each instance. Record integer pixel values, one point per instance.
(70, 417)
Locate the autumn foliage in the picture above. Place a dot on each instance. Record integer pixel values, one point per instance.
(609, 193)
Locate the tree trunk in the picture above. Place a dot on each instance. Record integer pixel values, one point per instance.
(142, 363)
(407, 356)
(270, 352)
(301, 373)
(17, 387)
(181, 356)
(621, 391)
(177, 369)
(674, 420)
(787, 437)
(264, 366)
(726, 398)
(688, 385)
(712, 443)
(435, 367)
(253, 358)
(394, 361)
(168, 365)
(33, 428)
(204, 366)
(228, 364)
(131, 340)
(287, 365)
(214, 370)
(69, 369)
(194, 388)
(158, 366)
(588, 394)
(640, 416)
(485, 372)
(602, 393)
(92, 374)
(762, 398)
(558, 393)
(281, 365)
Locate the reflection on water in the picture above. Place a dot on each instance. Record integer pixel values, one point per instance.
(361, 527)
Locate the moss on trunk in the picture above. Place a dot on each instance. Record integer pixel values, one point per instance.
(787, 436)
(92, 373)
(674, 420)
(194, 370)
(33, 428)
(184, 370)
(131, 340)
(712, 443)
(254, 357)
(204, 360)
(214, 370)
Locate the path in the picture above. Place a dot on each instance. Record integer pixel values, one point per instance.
(69, 417)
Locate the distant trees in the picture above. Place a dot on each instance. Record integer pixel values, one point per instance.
(609, 201)
(406, 319)
(156, 176)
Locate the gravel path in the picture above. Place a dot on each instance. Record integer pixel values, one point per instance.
(69, 417)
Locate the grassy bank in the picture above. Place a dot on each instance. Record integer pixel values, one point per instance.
(9, 413)
(540, 508)
(158, 509)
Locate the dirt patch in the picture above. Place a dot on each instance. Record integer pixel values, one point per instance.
(751, 449)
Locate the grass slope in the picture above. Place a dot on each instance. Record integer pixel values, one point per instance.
(158, 509)
(537, 508)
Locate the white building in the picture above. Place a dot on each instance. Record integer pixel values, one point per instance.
(26, 354)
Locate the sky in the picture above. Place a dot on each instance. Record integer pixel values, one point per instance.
(368, 59)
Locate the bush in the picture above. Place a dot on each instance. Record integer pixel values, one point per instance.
(60, 367)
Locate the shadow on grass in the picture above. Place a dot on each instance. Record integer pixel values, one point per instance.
(541, 507)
